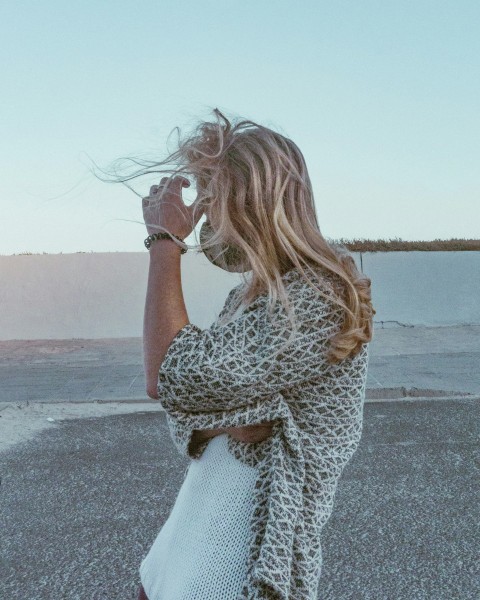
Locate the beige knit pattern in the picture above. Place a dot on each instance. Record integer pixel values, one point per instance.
(227, 376)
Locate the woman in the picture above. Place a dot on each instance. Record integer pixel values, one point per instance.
(267, 401)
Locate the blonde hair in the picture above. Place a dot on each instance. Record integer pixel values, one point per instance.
(255, 184)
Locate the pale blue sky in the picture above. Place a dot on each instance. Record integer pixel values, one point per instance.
(382, 97)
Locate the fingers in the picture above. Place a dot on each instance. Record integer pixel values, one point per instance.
(174, 185)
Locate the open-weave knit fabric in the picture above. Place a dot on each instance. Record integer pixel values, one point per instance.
(201, 551)
(231, 375)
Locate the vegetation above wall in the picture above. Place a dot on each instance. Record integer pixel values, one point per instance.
(364, 245)
(397, 244)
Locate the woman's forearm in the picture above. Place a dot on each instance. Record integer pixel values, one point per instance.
(165, 312)
(244, 433)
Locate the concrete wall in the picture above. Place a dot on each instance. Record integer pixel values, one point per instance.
(425, 288)
(102, 295)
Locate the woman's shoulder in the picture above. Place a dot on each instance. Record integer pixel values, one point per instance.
(317, 285)
(309, 294)
(316, 281)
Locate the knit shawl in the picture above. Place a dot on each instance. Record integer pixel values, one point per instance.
(232, 375)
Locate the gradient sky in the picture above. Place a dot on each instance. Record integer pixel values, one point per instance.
(383, 98)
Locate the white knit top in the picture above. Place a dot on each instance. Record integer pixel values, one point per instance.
(232, 374)
(201, 551)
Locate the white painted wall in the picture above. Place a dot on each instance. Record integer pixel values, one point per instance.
(425, 288)
(102, 295)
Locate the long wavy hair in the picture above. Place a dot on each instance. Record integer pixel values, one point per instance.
(254, 184)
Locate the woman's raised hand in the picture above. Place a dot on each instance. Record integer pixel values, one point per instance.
(164, 208)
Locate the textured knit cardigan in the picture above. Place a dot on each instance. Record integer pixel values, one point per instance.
(227, 376)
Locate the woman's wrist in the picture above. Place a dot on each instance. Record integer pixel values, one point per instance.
(164, 247)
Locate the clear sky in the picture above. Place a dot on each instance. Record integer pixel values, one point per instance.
(383, 98)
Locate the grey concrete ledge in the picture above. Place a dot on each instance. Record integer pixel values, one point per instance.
(375, 395)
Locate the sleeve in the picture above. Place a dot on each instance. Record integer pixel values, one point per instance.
(229, 366)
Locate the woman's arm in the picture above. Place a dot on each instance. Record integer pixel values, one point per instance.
(165, 312)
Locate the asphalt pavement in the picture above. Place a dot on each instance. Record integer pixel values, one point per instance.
(83, 499)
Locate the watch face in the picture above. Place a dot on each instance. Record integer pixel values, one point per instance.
(227, 257)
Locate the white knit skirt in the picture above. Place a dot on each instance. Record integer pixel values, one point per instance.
(201, 550)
